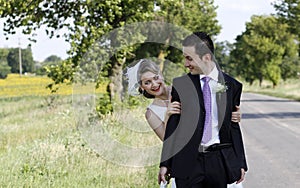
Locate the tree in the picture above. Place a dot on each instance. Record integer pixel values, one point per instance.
(289, 13)
(4, 68)
(290, 67)
(261, 49)
(222, 55)
(27, 60)
(52, 58)
(88, 21)
(193, 15)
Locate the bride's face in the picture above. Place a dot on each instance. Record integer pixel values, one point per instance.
(153, 83)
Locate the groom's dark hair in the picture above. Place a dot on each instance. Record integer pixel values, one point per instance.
(202, 42)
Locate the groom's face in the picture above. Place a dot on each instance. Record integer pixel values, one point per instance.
(193, 62)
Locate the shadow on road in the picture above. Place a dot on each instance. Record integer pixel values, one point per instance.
(266, 100)
(278, 115)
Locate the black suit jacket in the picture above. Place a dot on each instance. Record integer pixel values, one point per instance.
(184, 131)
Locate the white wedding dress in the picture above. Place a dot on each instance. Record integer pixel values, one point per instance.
(234, 185)
(160, 112)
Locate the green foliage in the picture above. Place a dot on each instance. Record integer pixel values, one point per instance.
(88, 21)
(104, 105)
(4, 67)
(262, 48)
(191, 15)
(194, 15)
(133, 102)
(289, 13)
(40, 70)
(42, 67)
(172, 70)
(3, 54)
(13, 60)
(52, 58)
(60, 74)
(222, 55)
(290, 67)
(26, 57)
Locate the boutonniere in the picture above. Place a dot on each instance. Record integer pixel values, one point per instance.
(220, 88)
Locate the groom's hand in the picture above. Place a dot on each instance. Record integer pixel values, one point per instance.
(242, 176)
(236, 115)
(162, 174)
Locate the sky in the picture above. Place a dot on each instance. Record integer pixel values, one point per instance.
(231, 14)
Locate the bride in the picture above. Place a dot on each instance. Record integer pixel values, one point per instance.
(146, 78)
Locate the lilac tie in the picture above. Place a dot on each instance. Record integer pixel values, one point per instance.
(207, 132)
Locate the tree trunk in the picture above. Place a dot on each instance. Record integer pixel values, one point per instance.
(260, 82)
(251, 82)
(161, 59)
(163, 53)
(115, 86)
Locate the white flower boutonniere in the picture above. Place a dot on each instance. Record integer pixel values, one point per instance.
(219, 88)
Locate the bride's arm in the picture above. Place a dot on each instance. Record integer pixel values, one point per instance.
(156, 124)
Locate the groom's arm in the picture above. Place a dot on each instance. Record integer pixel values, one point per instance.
(172, 123)
(236, 130)
(173, 120)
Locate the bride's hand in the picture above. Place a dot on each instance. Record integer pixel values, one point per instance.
(236, 116)
(173, 108)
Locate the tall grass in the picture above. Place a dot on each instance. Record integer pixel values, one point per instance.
(286, 89)
(41, 144)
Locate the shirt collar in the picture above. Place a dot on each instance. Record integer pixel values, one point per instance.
(214, 74)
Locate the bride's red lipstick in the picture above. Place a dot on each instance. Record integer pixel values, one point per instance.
(157, 89)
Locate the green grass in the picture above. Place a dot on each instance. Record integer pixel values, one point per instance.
(41, 146)
(286, 89)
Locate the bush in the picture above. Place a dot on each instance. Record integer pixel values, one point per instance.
(104, 105)
(4, 70)
(132, 102)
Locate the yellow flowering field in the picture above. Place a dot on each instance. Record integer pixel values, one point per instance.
(27, 85)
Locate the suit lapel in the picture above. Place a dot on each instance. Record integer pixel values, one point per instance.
(221, 100)
(197, 84)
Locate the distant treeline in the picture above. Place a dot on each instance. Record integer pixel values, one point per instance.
(12, 58)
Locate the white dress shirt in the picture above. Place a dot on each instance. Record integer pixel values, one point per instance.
(214, 109)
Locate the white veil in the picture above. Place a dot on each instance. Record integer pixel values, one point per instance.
(132, 78)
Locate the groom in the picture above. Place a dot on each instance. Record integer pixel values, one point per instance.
(202, 147)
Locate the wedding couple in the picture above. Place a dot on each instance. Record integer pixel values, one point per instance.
(197, 118)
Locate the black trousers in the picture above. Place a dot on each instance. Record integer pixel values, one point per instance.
(209, 172)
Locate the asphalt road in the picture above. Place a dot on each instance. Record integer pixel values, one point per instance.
(271, 130)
